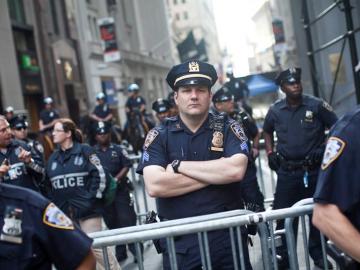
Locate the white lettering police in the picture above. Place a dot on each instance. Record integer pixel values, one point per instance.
(69, 180)
(16, 170)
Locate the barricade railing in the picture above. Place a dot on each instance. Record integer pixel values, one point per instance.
(200, 225)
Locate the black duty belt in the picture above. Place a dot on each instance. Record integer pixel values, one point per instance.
(293, 165)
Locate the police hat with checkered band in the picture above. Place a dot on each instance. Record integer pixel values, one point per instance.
(192, 72)
(161, 105)
(222, 95)
(19, 122)
(291, 75)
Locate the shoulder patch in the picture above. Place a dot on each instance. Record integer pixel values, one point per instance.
(94, 159)
(334, 148)
(150, 137)
(238, 131)
(54, 217)
(327, 106)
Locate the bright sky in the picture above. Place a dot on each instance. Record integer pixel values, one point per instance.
(233, 20)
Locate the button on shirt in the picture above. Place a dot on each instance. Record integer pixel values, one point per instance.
(176, 141)
(47, 235)
(299, 130)
(338, 181)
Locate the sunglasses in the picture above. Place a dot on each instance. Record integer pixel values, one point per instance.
(20, 128)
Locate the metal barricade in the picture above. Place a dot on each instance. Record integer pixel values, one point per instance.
(201, 225)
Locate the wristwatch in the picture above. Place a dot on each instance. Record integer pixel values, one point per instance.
(175, 165)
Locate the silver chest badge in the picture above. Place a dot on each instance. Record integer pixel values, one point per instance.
(11, 230)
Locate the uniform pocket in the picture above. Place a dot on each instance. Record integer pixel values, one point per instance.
(15, 256)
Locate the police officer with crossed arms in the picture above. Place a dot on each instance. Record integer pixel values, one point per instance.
(299, 122)
(192, 162)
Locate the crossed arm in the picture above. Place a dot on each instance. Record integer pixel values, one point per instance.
(193, 175)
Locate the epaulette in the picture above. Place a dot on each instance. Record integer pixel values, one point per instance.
(18, 193)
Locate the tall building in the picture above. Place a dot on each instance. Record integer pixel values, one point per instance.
(39, 57)
(143, 41)
(198, 17)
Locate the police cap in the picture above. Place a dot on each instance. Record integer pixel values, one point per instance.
(19, 122)
(48, 100)
(222, 95)
(100, 95)
(291, 75)
(161, 105)
(102, 127)
(9, 109)
(192, 72)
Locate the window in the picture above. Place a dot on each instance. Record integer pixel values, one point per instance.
(177, 16)
(184, 1)
(175, 2)
(16, 10)
(186, 16)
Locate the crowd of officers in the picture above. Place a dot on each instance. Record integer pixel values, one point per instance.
(192, 162)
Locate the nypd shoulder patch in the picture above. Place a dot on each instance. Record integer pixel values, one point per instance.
(94, 159)
(54, 217)
(334, 148)
(327, 106)
(238, 131)
(150, 137)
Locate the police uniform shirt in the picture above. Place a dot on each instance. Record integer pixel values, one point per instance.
(135, 102)
(102, 110)
(47, 116)
(112, 158)
(35, 233)
(77, 178)
(173, 140)
(299, 130)
(338, 181)
(21, 174)
(250, 127)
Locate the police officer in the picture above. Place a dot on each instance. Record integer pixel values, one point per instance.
(19, 128)
(162, 109)
(250, 191)
(135, 102)
(191, 162)
(9, 113)
(48, 116)
(239, 89)
(337, 200)
(102, 111)
(120, 213)
(26, 166)
(299, 122)
(77, 179)
(173, 107)
(35, 233)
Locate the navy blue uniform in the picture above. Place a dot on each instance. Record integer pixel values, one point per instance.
(338, 181)
(102, 110)
(250, 191)
(78, 181)
(134, 103)
(35, 233)
(173, 140)
(21, 174)
(47, 116)
(120, 213)
(300, 131)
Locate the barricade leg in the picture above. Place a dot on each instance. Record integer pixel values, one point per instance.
(305, 241)
(172, 253)
(233, 248)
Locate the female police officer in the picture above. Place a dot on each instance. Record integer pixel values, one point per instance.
(77, 179)
(191, 160)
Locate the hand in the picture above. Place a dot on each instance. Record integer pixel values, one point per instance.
(274, 161)
(169, 168)
(4, 169)
(24, 156)
(316, 155)
(255, 152)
